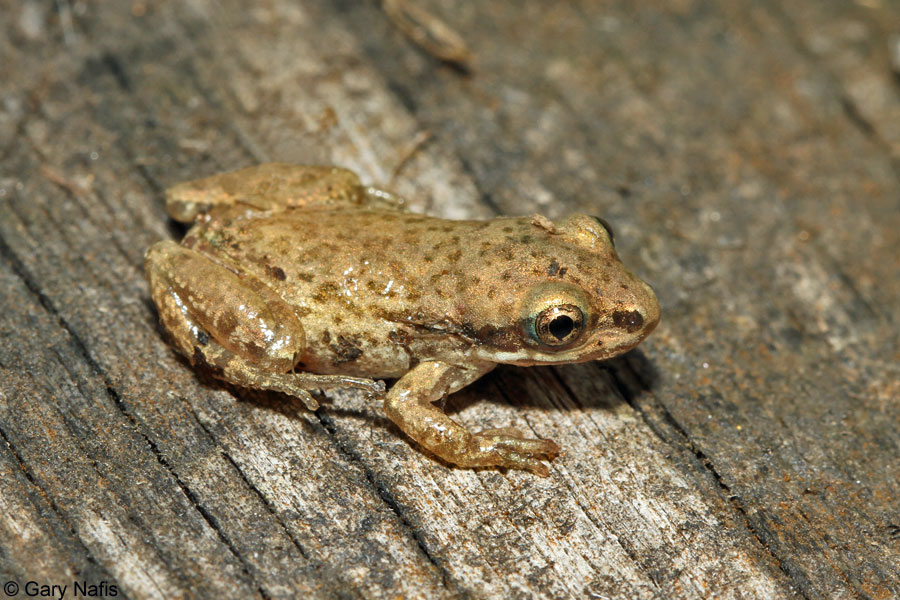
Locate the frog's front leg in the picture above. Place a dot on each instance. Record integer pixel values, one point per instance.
(409, 404)
(234, 324)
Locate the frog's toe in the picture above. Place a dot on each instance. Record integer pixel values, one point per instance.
(515, 460)
(502, 432)
(306, 398)
(527, 447)
(510, 449)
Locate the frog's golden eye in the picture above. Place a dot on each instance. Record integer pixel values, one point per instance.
(559, 325)
(608, 228)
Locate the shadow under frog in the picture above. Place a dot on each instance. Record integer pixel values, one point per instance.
(296, 278)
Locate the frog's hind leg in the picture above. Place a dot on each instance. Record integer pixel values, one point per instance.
(234, 325)
(268, 187)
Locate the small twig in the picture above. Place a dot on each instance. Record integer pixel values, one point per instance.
(894, 47)
(421, 138)
(65, 21)
(430, 33)
(70, 185)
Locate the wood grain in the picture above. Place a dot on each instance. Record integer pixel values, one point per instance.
(748, 155)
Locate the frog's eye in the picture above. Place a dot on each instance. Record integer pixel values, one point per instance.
(559, 325)
(608, 228)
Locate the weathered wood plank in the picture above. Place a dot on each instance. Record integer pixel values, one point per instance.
(749, 449)
(750, 194)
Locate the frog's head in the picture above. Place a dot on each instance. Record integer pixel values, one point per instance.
(574, 300)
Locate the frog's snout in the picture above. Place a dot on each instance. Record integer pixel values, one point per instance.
(646, 310)
(651, 309)
(632, 320)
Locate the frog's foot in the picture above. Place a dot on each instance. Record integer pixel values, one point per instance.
(228, 366)
(507, 447)
(295, 384)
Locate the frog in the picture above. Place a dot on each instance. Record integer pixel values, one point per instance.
(297, 278)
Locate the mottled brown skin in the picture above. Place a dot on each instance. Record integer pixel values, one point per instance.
(296, 278)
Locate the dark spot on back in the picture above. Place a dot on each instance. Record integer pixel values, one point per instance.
(326, 292)
(553, 269)
(202, 337)
(629, 320)
(398, 337)
(276, 272)
(346, 349)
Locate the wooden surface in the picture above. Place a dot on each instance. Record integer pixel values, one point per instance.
(748, 155)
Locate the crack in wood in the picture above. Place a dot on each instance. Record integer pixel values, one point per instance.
(387, 497)
(70, 528)
(256, 491)
(78, 344)
(684, 440)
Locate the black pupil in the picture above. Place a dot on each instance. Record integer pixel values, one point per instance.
(561, 327)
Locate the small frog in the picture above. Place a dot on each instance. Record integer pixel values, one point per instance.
(295, 278)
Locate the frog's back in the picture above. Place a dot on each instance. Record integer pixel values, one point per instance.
(368, 285)
(308, 252)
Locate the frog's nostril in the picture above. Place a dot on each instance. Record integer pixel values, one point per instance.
(629, 320)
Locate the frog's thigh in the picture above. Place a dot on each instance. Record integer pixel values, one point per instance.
(409, 404)
(237, 326)
(198, 296)
(269, 186)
